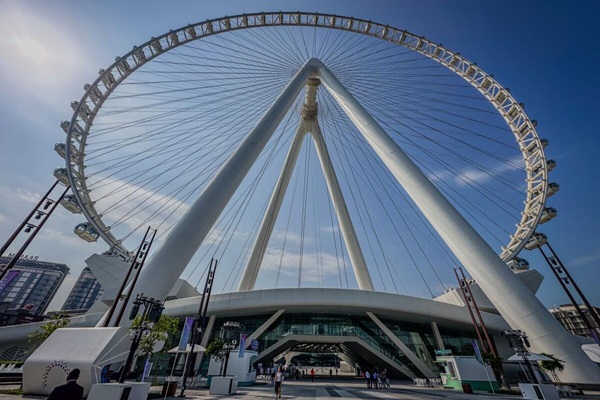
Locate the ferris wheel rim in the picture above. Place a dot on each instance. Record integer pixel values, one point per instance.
(522, 127)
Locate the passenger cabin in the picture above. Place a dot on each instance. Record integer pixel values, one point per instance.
(60, 149)
(550, 164)
(61, 175)
(548, 214)
(518, 264)
(553, 188)
(71, 204)
(537, 239)
(86, 232)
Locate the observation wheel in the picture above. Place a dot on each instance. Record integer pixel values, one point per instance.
(154, 128)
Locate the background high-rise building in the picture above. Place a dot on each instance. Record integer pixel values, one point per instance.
(568, 317)
(30, 285)
(84, 294)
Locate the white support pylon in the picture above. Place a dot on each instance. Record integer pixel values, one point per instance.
(266, 227)
(355, 253)
(515, 302)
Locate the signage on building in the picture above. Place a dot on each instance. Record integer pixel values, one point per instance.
(444, 352)
(24, 257)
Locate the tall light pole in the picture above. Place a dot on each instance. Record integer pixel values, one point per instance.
(151, 315)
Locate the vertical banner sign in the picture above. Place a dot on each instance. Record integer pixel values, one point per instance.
(147, 368)
(477, 352)
(242, 345)
(8, 278)
(185, 334)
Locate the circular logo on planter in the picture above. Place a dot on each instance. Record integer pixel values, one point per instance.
(54, 369)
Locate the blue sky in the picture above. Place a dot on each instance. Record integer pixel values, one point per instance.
(544, 51)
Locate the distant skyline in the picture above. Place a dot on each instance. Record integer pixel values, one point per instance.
(543, 51)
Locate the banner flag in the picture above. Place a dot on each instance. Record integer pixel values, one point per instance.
(242, 345)
(185, 334)
(477, 352)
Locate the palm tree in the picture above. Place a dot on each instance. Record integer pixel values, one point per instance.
(553, 365)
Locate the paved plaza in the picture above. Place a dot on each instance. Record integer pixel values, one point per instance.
(342, 389)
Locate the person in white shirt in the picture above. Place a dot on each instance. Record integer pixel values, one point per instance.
(278, 381)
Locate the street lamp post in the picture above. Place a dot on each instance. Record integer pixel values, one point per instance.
(518, 341)
(229, 334)
(152, 311)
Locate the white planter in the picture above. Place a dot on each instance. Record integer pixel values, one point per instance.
(534, 391)
(112, 391)
(223, 385)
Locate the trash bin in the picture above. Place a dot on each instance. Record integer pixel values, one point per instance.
(169, 389)
(467, 388)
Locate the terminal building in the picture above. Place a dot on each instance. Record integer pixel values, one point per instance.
(568, 317)
(29, 287)
(86, 291)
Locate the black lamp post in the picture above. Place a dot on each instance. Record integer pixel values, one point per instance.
(152, 311)
(229, 335)
(518, 341)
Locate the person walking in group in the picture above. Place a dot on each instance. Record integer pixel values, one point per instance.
(385, 379)
(368, 378)
(374, 379)
(278, 381)
(70, 390)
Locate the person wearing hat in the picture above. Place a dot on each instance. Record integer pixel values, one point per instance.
(70, 390)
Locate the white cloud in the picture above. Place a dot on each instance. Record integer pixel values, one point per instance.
(330, 229)
(583, 260)
(26, 196)
(128, 197)
(289, 264)
(472, 175)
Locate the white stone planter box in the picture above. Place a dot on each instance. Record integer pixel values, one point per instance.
(223, 385)
(534, 390)
(112, 391)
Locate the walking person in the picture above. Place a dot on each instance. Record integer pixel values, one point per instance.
(312, 374)
(70, 390)
(278, 380)
(385, 379)
(374, 379)
(368, 378)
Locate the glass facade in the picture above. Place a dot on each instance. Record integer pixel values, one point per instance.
(85, 292)
(417, 337)
(34, 285)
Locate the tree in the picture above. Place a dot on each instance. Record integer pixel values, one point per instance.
(215, 349)
(552, 366)
(160, 331)
(46, 329)
(495, 362)
(218, 350)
